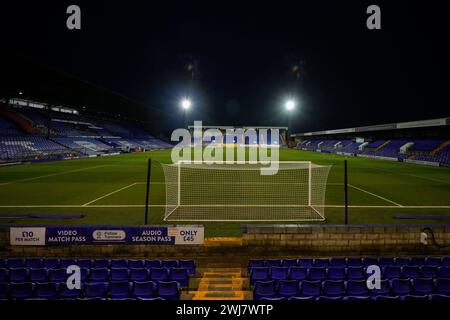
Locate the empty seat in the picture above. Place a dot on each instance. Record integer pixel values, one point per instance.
(4, 275)
(119, 274)
(145, 289)
(422, 286)
(333, 288)
(442, 286)
(255, 263)
(383, 262)
(445, 262)
(410, 272)
(18, 275)
(259, 274)
(298, 273)
(99, 275)
(169, 263)
(401, 262)
(356, 298)
(50, 263)
(317, 274)
(119, 263)
(289, 263)
(336, 273)
(354, 262)
(274, 299)
(15, 263)
(140, 274)
(64, 263)
(383, 290)
(46, 290)
(66, 293)
(159, 274)
(38, 275)
(400, 287)
(310, 288)
(370, 262)
(415, 261)
(3, 263)
(279, 273)
(287, 288)
(357, 288)
(410, 297)
(57, 275)
(179, 275)
(428, 272)
(328, 298)
(101, 263)
(387, 298)
(307, 263)
(433, 262)
(264, 289)
(119, 289)
(355, 273)
(152, 263)
(86, 263)
(136, 264)
(21, 290)
(302, 298)
(273, 263)
(169, 290)
(33, 263)
(189, 265)
(4, 290)
(95, 290)
(392, 272)
(321, 263)
(338, 262)
(444, 272)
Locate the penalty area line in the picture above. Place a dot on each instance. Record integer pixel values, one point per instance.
(109, 194)
(375, 195)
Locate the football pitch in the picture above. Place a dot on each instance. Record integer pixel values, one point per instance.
(111, 191)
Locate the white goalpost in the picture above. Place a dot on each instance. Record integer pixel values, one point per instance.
(199, 191)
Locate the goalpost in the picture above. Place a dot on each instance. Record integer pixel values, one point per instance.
(239, 192)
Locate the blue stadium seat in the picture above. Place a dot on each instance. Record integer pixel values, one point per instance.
(384, 262)
(85, 263)
(18, 274)
(357, 288)
(4, 290)
(422, 286)
(119, 274)
(410, 297)
(101, 263)
(433, 262)
(169, 263)
(302, 298)
(274, 299)
(370, 262)
(4, 275)
(179, 275)
(321, 263)
(328, 298)
(355, 273)
(336, 273)
(442, 286)
(279, 273)
(317, 273)
(392, 272)
(401, 262)
(444, 272)
(333, 288)
(3, 263)
(22, 290)
(57, 275)
(64, 263)
(159, 274)
(356, 298)
(145, 289)
(119, 289)
(258, 263)
(189, 265)
(84, 274)
(38, 275)
(95, 290)
(152, 263)
(151, 299)
(400, 287)
(15, 263)
(273, 263)
(287, 288)
(119, 263)
(306, 263)
(383, 291)
(410, 272)
(259, 274)
(46, 290)
(169, 290)
(34, 263)
(289, 263)
(439, 297)
(310, 288)
(139, 274)
(354, 262)
(445, 262)
(428, 272)
(136, 264)
(264, 289)
(298, 273)
(99, 275)
(387, 298)
(70, 294)
(338, 262)
(414, 261)
(50, 263)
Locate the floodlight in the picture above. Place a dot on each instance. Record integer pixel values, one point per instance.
(186, 104)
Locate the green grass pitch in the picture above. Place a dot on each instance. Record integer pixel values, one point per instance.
(111, 190)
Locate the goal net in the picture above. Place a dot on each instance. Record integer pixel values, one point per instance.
(239, 192)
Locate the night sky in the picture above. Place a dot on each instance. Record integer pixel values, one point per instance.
(244, 50)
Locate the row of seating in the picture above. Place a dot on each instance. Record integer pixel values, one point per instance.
(54, 263)
(351, 262)
(358, 288)
(344, 273)
(97, 275)
(433, 297)
(169, 290)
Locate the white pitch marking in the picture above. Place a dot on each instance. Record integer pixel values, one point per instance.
(108, 194)
(375, 195)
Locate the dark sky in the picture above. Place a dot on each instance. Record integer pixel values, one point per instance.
(353, 76)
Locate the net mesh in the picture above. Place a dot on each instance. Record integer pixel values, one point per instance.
(239, 192)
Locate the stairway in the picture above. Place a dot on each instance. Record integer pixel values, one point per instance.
(222, 284)
(440, 148)
(382, 145)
